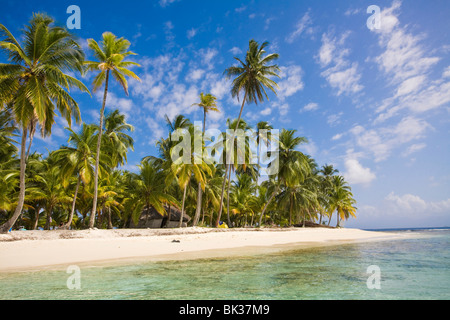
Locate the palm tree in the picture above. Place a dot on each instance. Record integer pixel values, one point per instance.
(34, 83)
(183, 171)
(292, 164)
(341, 200)
(207, 103)
(79, 158)
(116, 137)
(110, 54)
(150, 187)
(51, 188)
(251, 77)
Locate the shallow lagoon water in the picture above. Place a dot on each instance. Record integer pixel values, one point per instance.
(410, 268)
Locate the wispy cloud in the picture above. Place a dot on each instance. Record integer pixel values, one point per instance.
(341, 74)
(303, 26)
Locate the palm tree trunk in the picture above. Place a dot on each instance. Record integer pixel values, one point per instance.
(8, 224)
(329, 220)
(72, 211)
(168, 215)
(182, 207)
(199, 205)
(228, 197)
(97, 157)
(33, 124)
(337, 224)
(49, 217)
(200, 193)
(290, 210)
(221, 197)
(226, 171)
(36, 217)
(267, 204)
(110, 226)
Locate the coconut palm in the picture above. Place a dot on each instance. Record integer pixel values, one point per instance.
(7, 132)
(110, 54)
(292, 164)
(34, 83)
(51, 188)
(183, 171)
(115, 136)
(150, 186)
(79, 158)
(251, 78)
(341, 200)
(207, 103)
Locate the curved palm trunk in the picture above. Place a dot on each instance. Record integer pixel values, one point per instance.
(97, 157)
(228, 160)
(267, 204)
(182, 208)
(69, 222)
(8, 224)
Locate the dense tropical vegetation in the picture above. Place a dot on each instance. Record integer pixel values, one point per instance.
(82, 184)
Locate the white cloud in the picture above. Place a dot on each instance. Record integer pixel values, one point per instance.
(356, 174)
(291, 81)
(195, 74)
(340, 73)
(381, 142)
(446, 73)
(207, 56)
(267, 111)
(235, 51)
(301, 27)
(191, 33)
(337, 136)
(312, 106)
(408, 204)
(407, 65)
(165, 3)
(156, 131)
(241, 9)
(414, 148)
(334, 119)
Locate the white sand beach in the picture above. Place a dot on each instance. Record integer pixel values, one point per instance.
(34, 250)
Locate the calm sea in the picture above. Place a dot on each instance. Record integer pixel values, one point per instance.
(410, 268)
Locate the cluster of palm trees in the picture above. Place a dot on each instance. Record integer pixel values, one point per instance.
(81, 185)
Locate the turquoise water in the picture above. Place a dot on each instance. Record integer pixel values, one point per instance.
(414, 268)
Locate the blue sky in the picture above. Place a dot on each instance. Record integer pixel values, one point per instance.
(374, 103)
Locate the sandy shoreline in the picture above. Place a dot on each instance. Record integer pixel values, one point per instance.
(36, 250)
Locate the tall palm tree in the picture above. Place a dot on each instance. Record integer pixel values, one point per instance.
(115, 136)
(183, 171)
(34, 83)
(207, 103)
(292, 164)
(251, 77)
(79, 158)
(341, 200)
(110, 54)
